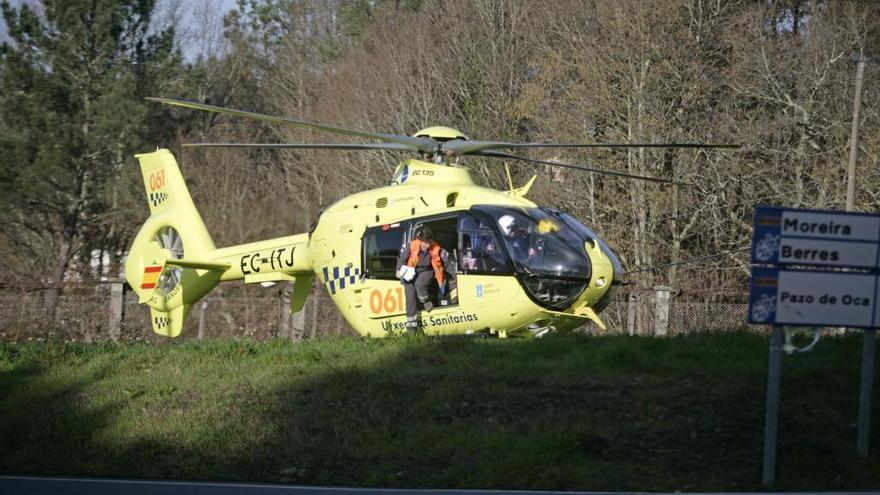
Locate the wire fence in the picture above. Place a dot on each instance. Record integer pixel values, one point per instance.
(106, 312)
(662, 311)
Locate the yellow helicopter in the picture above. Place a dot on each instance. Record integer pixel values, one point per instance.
(513, 268)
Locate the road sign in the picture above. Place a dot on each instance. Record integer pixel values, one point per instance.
(815, 238)
(814, 268)
(813, 298)
(843, 288)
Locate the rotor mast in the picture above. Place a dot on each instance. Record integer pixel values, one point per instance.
(439, 134)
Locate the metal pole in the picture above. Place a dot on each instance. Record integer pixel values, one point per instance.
(868, 341)
(771, 419)
(854, 138)
(869, 344)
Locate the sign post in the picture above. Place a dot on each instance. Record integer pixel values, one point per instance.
(771, 417)
(863, 431)
(815, 268)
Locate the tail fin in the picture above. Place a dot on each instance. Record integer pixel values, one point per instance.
(165, 264)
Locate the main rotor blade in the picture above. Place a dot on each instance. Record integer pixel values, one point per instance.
(500, 154)
(317, 146)
(425, 145)
(463, 147)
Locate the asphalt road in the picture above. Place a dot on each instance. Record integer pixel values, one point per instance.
(38, 485)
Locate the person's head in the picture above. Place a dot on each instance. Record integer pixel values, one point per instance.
(424, 236)
(506, 224)
(511, 227)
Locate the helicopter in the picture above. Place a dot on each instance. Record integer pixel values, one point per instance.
(514, 268)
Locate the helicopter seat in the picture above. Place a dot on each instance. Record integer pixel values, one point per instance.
(450, 270)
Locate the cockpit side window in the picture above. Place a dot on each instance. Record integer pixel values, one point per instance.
(480, 248)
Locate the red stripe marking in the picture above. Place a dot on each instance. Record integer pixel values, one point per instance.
(151, 269)
(147, 286)
(769, 220)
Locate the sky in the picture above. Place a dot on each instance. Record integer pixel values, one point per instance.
(199, 23)
(3, 29)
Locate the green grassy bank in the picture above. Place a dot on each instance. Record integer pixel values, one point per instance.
(565, 412)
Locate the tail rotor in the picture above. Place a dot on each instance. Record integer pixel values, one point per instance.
(169, 240)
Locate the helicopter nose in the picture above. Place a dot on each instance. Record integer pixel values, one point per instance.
(605, 275)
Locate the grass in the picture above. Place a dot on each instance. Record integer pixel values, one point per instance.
(564, 412)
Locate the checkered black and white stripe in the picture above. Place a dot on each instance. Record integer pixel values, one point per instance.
(156, 198)
(340, 277)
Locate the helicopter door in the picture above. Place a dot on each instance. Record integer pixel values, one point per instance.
(383, 294)
(481, 252)
(485, 271)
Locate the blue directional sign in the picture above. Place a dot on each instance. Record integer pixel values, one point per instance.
(811, 298)
(815, 237)
(815, 268)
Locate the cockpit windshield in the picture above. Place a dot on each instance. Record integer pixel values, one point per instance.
(541, 243)
(548, 254)
(588, 234)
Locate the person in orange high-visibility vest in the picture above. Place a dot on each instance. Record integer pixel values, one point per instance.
(420, 269)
